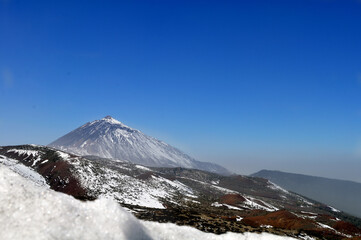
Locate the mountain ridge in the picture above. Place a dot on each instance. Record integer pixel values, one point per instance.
(306, 175)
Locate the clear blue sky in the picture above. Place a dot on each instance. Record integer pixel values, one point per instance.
(247, 84)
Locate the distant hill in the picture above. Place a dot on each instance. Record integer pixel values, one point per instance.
(344, 195)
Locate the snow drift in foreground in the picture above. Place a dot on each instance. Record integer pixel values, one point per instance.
(29, 211)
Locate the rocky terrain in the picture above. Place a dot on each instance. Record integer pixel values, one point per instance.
(207, 201)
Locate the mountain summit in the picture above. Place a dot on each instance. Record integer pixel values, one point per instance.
(110, 138)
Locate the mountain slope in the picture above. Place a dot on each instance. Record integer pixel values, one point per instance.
(110, 138)
(207, 201)
(344, 195)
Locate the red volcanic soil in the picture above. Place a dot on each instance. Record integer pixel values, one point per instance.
(280, 219)
(60, 178)
(346, 227)
(324, 217)
(287, 220)
(232, 199)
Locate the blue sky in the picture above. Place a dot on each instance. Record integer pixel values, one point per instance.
(247, 84)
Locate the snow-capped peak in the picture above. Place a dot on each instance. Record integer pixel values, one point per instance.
(110, 119)
(110, 138)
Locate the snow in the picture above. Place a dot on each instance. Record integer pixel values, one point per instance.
(305, 237)
(24, 171)
(191, 200)
(147, 200)
(276, 187)
(231, 207)
(307, 202)
(111, 120)
(225, 190)
(24, 152)
(325, 226)
(266, 226)
(328, 227)
(63, 154)
(216, 204)
(311, 213)
(29, 211)
(27, 153)
(250, 202)
(177, 185)
(127, 189)
(215, 182)
(143, 168)
(334, 209)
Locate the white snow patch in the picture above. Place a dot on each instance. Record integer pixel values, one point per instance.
(215, 182)
(303, 236)
(24, 152)
(143, 168)
(147, 199)
(334, 209)
(191, 200)
(177, 185)
(276, 187)
(226, 190)
(216, 204)
(250, 202)
(305, 201)
(231, 207)
(63, 155)
(325, 226)
(266, 226)
(83, 144)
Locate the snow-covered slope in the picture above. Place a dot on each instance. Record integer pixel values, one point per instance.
(110, 138)
(32, 212)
